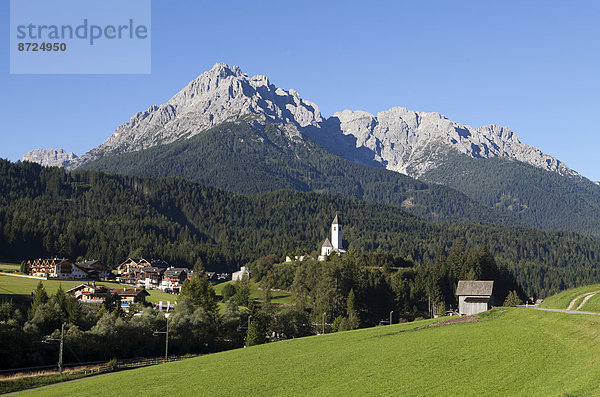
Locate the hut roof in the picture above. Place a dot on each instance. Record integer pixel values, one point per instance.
(475, 288)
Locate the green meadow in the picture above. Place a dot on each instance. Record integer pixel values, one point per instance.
(10, 267)
(562, 299)
(517, 351)
(277, 297)
(20, 288)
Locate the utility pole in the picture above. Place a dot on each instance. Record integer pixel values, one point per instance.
(323, 323)
(429, 304)
(167, 340)
(60, 351)
(166, 332)
(61, 345)
(391, 317)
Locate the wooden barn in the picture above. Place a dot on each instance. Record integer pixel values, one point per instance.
(474, 296)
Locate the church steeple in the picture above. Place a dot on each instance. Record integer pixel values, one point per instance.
(336, 233)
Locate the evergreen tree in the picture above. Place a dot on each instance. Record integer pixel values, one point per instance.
(353, 320)
(40, 297)
(255, 335)
(513, 299)
(200, 291)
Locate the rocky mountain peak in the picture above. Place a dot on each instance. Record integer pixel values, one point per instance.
(49, 157)
(413, 142)
(399, 139)
(222, 94)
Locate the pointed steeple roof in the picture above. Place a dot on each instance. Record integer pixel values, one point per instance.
(335, 220)
(327, 243)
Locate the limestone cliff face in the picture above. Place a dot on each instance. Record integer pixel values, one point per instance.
(398, 139)
(220, 95)
(412, 142)
(49, 157)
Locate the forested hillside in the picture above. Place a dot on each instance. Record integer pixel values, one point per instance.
(244, 159)
(536, 197)
(47, 212)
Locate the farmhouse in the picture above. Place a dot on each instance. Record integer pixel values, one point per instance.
(141, 272)
(173, 279)
(131, 266)
(94, 269)
(336, 243)
(90, 293)
(474, 296)
(131, 295)
(151, 276)
(65, 269)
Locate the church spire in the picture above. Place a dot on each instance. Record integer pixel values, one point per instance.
(336, 233)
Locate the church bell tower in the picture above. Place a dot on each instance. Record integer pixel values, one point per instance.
(336, 234)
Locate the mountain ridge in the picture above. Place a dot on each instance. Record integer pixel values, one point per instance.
(398, 139)
(427, 146)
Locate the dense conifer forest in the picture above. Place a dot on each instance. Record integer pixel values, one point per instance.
(243, 159)
(50, 212)
(536, 197)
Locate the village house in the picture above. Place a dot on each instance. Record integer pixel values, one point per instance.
(54, 267)
(131, 295)
(141, 272)
(65, 269)
(90, 293)
(474, 296)
(173, 278)
(151, 276)
(94, 269)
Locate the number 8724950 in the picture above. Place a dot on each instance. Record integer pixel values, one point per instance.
(42, 46)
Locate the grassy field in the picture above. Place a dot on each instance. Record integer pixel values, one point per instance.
(277, 297)
(20, 287)
(592, 305)
(562, 299)
(516, 351)
(10, 267)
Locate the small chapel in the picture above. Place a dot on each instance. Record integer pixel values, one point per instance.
(336, 243)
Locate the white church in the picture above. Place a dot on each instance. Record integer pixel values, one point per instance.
(335, 244)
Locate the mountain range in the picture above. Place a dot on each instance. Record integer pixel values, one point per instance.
(245, 134)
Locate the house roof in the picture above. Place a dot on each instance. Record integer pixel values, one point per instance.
(135, 261)
(475, 288)
(88, 264)
(97, 288)
(327, 243)
(159, 263)
(175, 271)
(335, 220)
(153, 269)
(129, 291)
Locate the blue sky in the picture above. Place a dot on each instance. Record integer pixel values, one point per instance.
(533, 66)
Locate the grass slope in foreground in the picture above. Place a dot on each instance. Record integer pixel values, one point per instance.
(511, 352)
